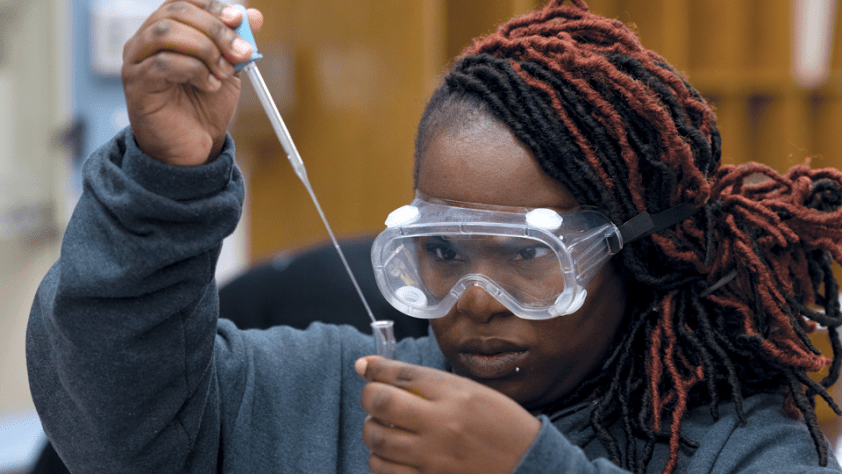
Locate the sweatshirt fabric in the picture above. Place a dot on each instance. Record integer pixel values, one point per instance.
(132, 371)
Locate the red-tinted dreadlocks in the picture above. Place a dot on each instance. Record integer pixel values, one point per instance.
(725, 299)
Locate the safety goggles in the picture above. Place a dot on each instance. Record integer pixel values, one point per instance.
(536, 262)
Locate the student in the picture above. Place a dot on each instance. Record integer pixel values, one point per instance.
(650, 310)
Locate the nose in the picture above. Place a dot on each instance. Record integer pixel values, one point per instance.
(479, 305)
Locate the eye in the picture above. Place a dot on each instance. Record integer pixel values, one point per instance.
(529, 253)
(442, 251)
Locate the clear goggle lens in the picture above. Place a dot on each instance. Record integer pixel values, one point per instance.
(536, 263)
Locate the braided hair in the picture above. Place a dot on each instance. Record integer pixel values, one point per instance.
(724, 300)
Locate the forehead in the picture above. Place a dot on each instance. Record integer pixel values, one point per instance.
(485, 163)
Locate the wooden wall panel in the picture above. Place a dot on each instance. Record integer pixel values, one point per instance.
(467, 19)
(360, 73)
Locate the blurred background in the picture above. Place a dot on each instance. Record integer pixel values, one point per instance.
(351, 79)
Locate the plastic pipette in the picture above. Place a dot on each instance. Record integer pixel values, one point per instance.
(383, 330)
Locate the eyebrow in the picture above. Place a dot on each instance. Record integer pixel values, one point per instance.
(506, 243)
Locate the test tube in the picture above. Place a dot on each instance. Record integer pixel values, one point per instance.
(384, 338)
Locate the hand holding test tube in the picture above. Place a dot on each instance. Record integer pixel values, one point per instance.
(384, 336)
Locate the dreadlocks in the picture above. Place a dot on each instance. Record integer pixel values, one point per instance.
(725, 299)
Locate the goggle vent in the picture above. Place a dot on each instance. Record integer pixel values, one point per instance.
(403, 215)
(542, 218)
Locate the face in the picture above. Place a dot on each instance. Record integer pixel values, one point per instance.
(533, 362)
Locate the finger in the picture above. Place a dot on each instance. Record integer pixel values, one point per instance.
(378, 465)
(232, 17)
(223, 39)
(390, 443)
(421, 381)
(172, 37)
(170, 68)
(215, 8)
(255, 19)
(168, 27)
(393, 406)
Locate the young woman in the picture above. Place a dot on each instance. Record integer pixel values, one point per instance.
(603, 295)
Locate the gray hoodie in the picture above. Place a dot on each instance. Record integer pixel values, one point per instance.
(132, 371)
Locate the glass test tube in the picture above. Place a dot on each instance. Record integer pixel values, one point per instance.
(384, 338)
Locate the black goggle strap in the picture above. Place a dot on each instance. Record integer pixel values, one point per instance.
(645, 224)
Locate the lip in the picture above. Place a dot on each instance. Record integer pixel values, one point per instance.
(491, 358)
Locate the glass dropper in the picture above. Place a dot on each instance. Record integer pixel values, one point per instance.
(383, 330)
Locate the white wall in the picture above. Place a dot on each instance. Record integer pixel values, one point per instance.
(34, 171)
(34, 187)
(22, 265)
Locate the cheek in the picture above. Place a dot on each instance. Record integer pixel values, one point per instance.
(446, 337)
(434, 280)
(589, 332)
(444, 333)
(449, 330)
(579, 342)
(568, 340)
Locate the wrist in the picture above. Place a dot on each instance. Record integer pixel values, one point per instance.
(176, 181)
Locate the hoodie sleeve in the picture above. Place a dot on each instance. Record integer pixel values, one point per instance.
(552, 452)
(117, 382)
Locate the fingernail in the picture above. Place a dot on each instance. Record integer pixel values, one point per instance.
(241, 47)
(230, 14)
(360, 365)
(214, 82)
(224, 67)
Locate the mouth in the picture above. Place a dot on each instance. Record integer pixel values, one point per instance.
(491, 359)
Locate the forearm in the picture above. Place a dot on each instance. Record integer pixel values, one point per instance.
(121, 334)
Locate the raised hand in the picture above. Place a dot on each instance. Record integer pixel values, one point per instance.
(426, 420)
(179, 81)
